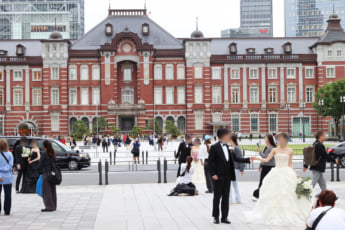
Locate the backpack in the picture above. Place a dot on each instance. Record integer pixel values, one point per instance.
(309, 156)
(135, 148)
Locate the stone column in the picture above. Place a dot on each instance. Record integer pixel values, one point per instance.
(8, 89)
(300, 84)
(282, 85)
(27, 89)
(226, 88)
(245, 85)
(263, 87)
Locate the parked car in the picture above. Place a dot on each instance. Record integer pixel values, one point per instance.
(339, 151)
(65, 157)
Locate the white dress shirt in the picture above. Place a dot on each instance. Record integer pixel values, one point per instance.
(334, 218)
(225, 151)
(187, 178)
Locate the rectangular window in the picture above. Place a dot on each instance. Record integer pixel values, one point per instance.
(235, 74)
(309, 73)
(55, 122)
(127, 74)
(36, 96)
(272, 95)
(291, 94)
(84, 73)
(198, 94)
(169, 95)
(216, 73)
(235, 95)
(198, 121)
(18, 75)
(309, 94)
(36, 75)
(1, 96)
(1, 75)
(55, 96)
(158, 72)
(84, 96)
(254, 122)
(291, 73)
(181, 95)
(96, 96)
(55, 73)
(253, 74)
(339, 53)
(198, 72)
(158, 96)
(180, 72)
(272, 73)
(18, 97)
(169, 72)
(73, 73)
(330, 53)
(235, 122)
(330, 72)
(273, 123)
(216, 94)
(73, 98)
(128, 96)
(95, 72)
(254, 95)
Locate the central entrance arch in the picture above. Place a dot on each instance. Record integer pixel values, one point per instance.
(27, 128)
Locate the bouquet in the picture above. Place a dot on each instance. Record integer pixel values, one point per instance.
(26, 152)
(304, 187)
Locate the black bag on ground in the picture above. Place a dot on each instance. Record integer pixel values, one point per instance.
(188, 189)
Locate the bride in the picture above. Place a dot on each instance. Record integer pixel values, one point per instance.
(278, 203)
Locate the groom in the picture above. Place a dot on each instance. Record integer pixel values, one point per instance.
(221, 164)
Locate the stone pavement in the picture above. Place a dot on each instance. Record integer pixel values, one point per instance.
(140, 206)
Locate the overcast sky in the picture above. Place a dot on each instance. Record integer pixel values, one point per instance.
(178, 16)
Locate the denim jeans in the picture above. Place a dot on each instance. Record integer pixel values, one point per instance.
(8, 197)
(235, 187)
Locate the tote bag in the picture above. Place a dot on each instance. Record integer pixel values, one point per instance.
(39, 188)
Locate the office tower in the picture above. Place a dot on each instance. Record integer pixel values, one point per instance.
(36, 19)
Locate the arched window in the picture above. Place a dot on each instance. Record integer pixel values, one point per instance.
(181, 124)
(170, 118)
(127, 96)
(86, 122)
(159, 122)
(72, 121)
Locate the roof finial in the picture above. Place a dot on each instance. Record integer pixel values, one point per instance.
(197, 24)
(333, 8)
(55, 25)
(145, 4)
(109, 5)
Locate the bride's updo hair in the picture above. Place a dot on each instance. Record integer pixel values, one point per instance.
(284, 136)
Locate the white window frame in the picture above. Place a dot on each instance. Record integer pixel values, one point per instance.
(181, 95)
(55, 122)
(238, 101)
(289, 75)
(75, 101)
(233, 117)
(330, 53)
(127, 96)
(158, 99)
(237, 75)
(53, 100)
(84, 72)
(253, 73)
(312, 88)
(307, 76)
(288, 99)
(16, 77)
(158, 72)
(125, 71)
(181, 72)
(86, 100)
(1, 74)
(36, 100)
(36, 71)
(20, 102)
(253, 116)
(216, 73)
(198, 71)
(55, 76)
(72, 73)
(96, 72)
(334, 72)
(169, 93)
(198, 95)
(216, 95)
(339, 53)
(96, 95)
(169, 72)
(251, 99)
(199, 121)
(269, 72)
(269, 94)
(271, 115)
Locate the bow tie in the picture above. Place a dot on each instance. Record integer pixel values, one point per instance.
(226, 145)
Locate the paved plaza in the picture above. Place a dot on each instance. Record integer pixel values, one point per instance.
(141, 206)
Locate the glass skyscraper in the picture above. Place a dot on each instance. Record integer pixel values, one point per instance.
(36, 19)
(306, 18)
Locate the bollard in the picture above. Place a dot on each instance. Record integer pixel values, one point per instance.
(332, 171)
(106, 170)
(143, 155)
(165, 170)
(115, 151)
(159, 170)
(100, 172)
(147, 156)
(129, 166)
(338, 167)
(175, 154)
(110, 160)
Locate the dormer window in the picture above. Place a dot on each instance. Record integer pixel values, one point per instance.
(287, 48)
(251, 51)
(20, 50)
(3, 52)
(233, 48)
(109, 29)
(145, 29)
(269, 50)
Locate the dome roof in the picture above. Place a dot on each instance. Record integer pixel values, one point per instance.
(197, 34)
(55, 35)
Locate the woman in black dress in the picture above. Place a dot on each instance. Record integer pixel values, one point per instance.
(32, 173)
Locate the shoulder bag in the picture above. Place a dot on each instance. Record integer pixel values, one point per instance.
(318, 219)
(54, 177)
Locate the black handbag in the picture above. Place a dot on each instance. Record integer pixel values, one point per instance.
(54, 177)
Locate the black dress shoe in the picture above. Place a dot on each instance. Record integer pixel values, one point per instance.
(226, 221)
(208, 191)
(47, 210)
(216, 221)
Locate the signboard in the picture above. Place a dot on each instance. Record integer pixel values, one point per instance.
(49, 28)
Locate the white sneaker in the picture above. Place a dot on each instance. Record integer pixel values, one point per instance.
(254, 199)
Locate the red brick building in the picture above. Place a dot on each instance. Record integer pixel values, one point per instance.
(130, 70)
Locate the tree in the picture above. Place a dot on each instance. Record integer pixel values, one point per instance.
(157, 128)
(332, 107)
(102, 124)
(171, 129)
(114, 130)
(79, 129)
(136, 131)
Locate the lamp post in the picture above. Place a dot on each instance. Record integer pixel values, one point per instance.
(321, 103)
(288, 109)
(342, 100)
(303, 106)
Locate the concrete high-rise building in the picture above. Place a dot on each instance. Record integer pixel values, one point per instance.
(36, 19)
(256, 20)
(308, 17)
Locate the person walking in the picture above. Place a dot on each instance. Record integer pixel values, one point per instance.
(21, 163)
(6, 176)
(183, 152)
(46, 167)
(322, 157)
(204, 152)
(265, 168)
(105, 144)
(136, 151)
(160, 143)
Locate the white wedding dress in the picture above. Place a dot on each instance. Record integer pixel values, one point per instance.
(278, 203)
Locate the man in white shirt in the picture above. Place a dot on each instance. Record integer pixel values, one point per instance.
(333, 218)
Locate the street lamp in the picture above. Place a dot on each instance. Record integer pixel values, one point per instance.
(288, 109)
(321, 103)
(342, 100)
(303, 106)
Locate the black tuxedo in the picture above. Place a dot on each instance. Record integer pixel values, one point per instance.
(182, 153)
(225, 170)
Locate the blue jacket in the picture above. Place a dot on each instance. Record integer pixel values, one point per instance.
(6, 168)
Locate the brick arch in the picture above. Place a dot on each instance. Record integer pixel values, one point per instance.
(130, 35)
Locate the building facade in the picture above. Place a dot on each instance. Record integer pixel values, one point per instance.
(130, 71)
(36, 19)
(256, 20)
(308, 18)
